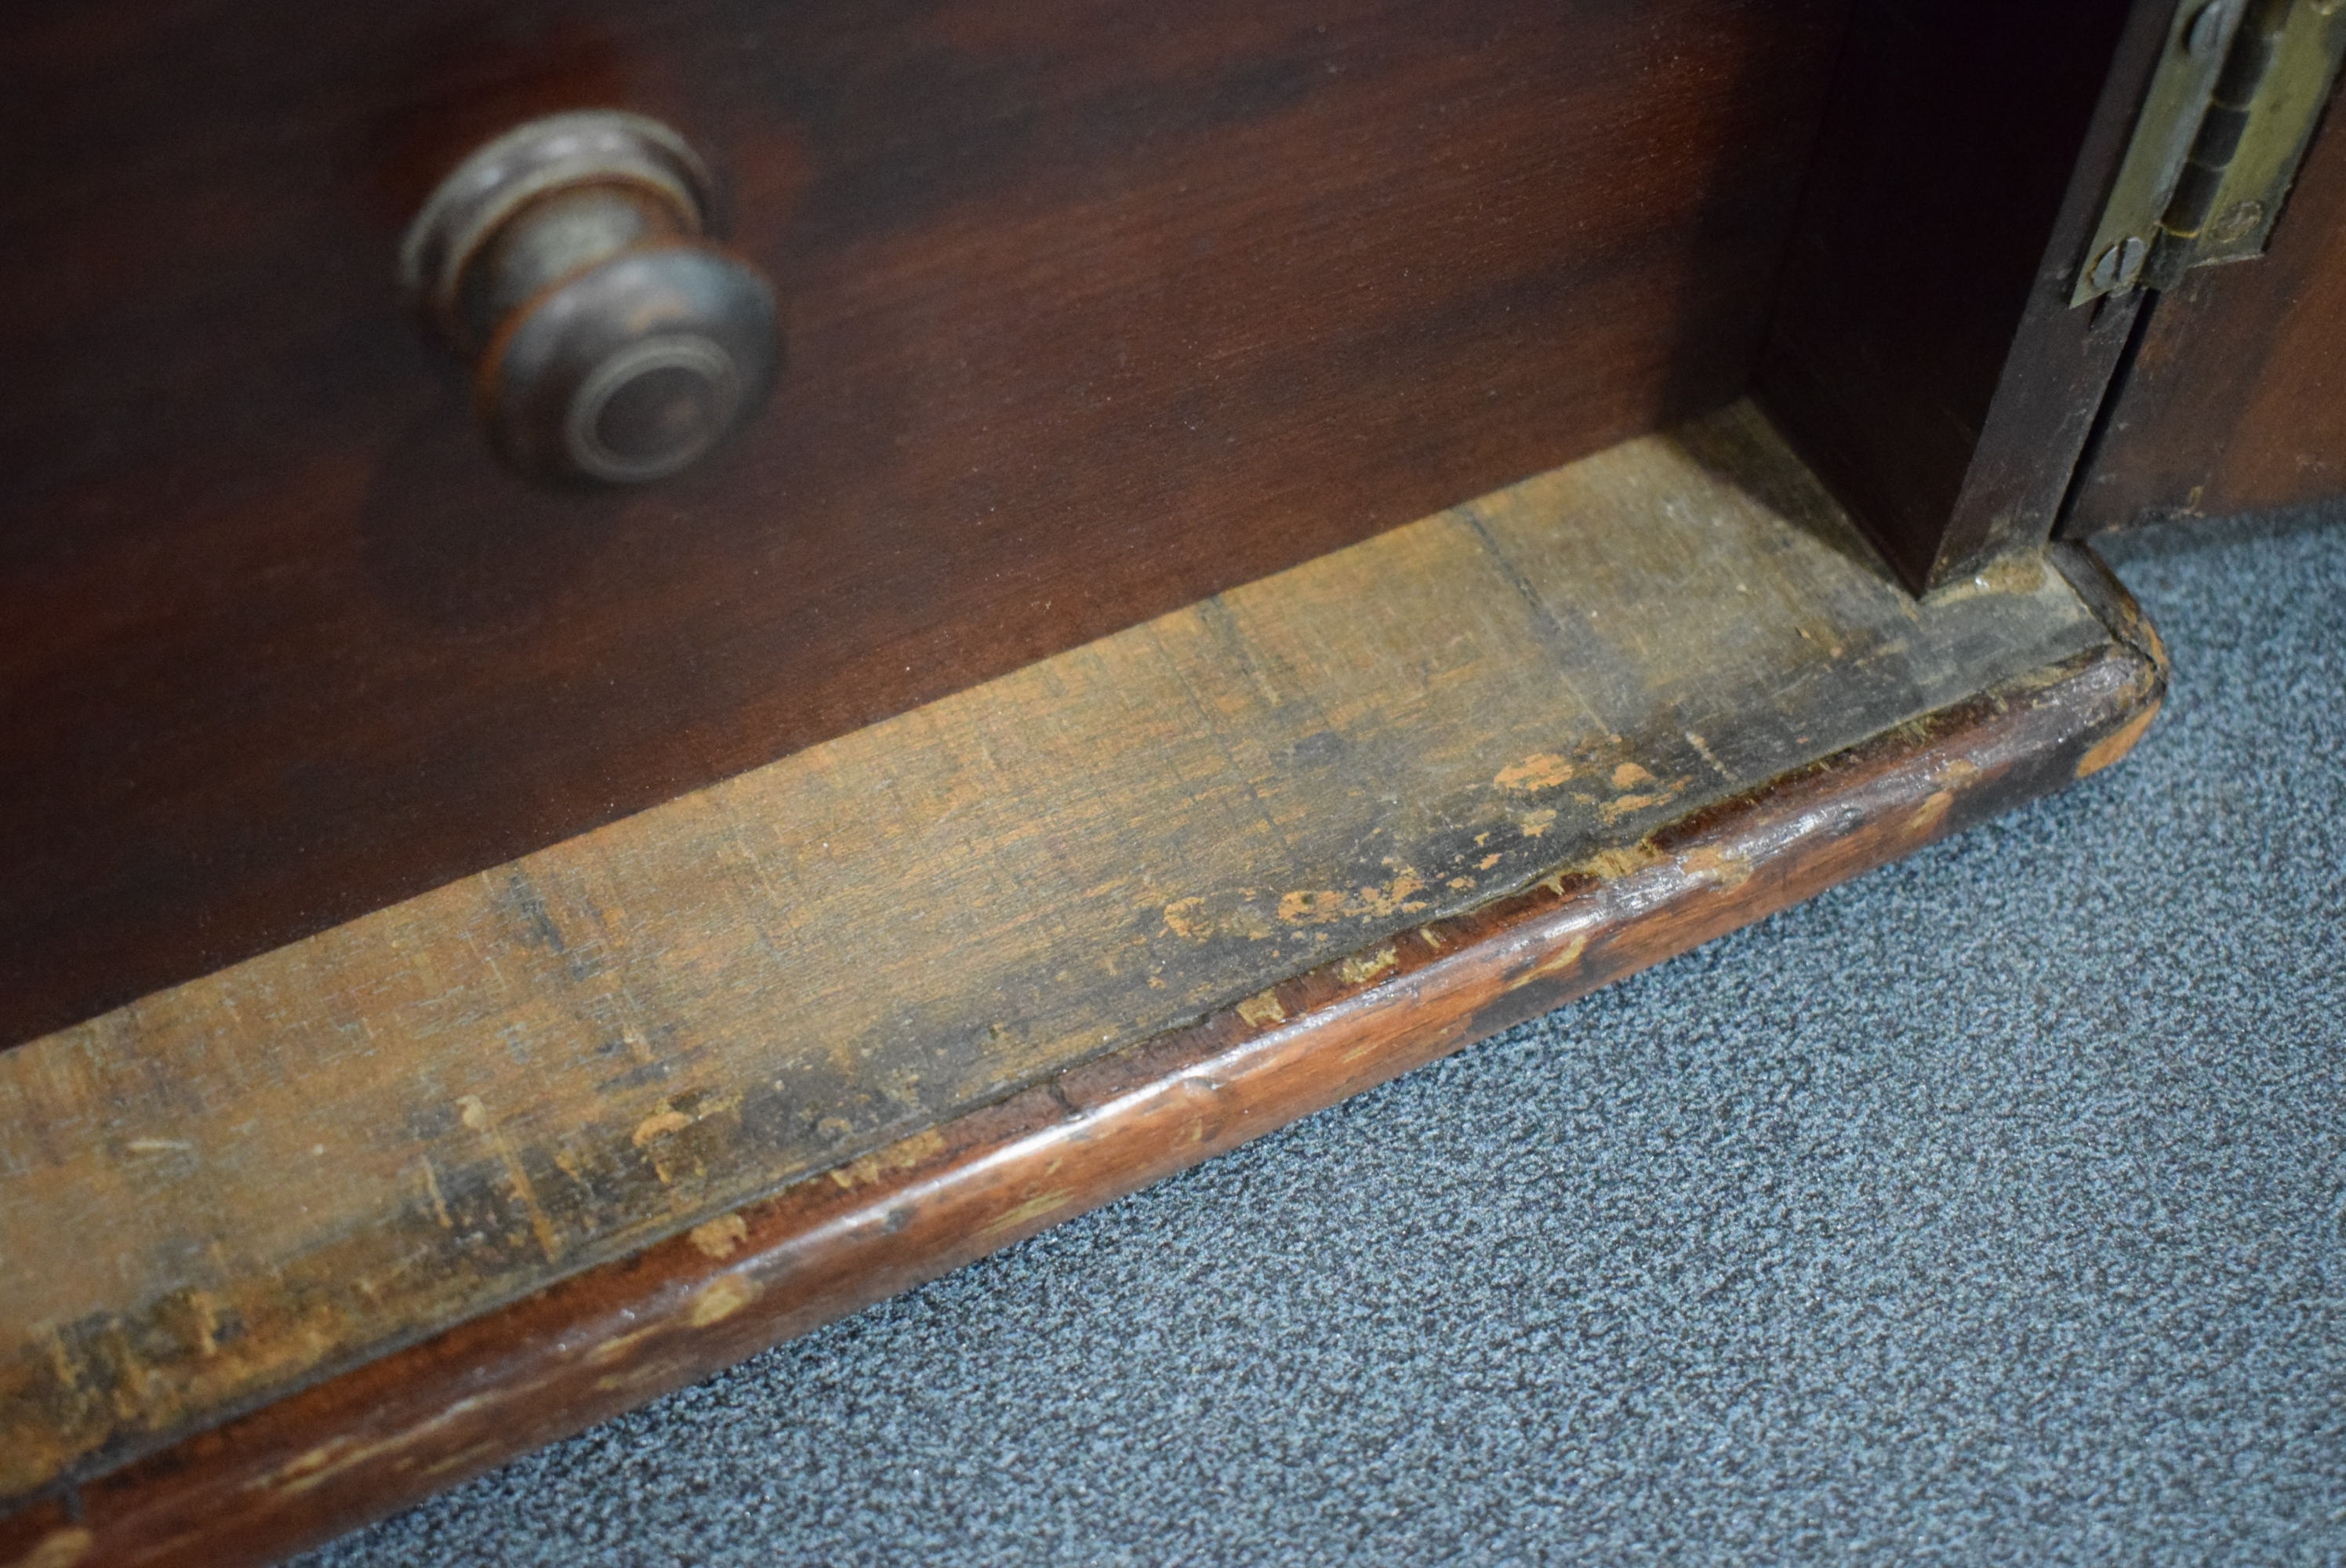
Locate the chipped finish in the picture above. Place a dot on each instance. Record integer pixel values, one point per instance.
(721, 1299)
(2113, 746)
(1262, 1010)
(902, 1155)
(719, 1238)
(58, 1549)
(555, 1064)
(384, 1434)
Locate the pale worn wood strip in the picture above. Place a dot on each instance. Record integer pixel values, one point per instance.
(321, 1153)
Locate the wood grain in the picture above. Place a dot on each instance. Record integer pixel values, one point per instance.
(315, 1157)
(1923, 356)
(1092, 310)
(2235, 400)
(375, 1438)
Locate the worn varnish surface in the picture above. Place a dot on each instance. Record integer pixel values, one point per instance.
(1924, 356)
(326, 1151)
(1092, 310)
(2236, 397)
(364, 1443)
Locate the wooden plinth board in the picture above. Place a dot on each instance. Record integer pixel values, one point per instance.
(629, 1109)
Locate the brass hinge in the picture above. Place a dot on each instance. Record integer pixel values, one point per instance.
(2231, 107)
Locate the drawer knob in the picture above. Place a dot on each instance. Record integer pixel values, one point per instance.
(568, 262)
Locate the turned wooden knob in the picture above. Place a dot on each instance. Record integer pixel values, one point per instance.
(568, 262)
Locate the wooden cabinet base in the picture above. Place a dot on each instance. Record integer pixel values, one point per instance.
(480, 1169)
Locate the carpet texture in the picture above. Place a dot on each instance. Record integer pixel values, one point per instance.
(1989, 1209)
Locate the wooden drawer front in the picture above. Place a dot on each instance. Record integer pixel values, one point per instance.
(1091, 310)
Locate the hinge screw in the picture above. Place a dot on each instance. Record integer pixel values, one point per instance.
(2206, 34)
(2117, 267)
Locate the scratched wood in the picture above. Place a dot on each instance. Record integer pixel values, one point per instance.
(383, 1435)
(228, 1190)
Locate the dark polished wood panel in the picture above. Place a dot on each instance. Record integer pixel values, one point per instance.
(2236, 397)
(1092, 310)
(1926, 357)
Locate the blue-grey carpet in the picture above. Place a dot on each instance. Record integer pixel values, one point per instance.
(1989, 1209)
